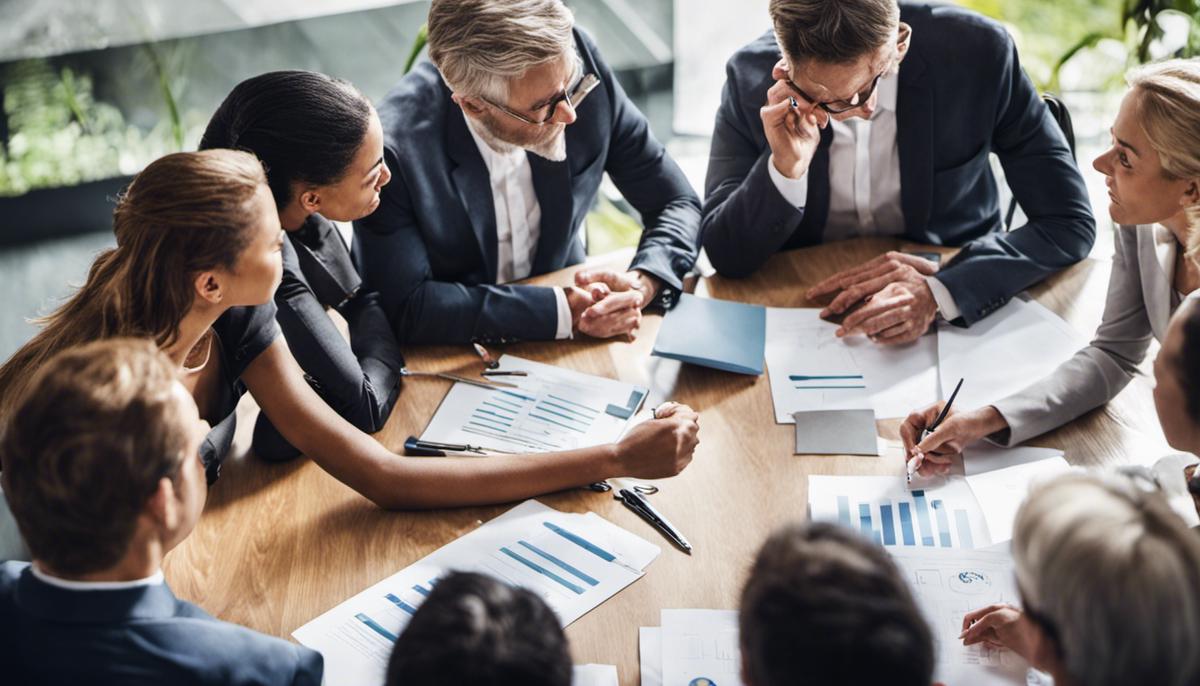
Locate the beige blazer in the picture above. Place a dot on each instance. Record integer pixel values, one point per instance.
(1139, 306)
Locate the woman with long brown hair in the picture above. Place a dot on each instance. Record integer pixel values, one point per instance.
(196, 264)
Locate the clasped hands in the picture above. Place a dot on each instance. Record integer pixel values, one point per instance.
(606, 303)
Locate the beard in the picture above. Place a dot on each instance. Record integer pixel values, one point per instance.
(549, 142)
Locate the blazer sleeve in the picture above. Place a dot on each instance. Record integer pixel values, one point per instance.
(656, 187)
(1098, 372)
(310, 667)
(746, 219)
(1046, 182)
(393, 258)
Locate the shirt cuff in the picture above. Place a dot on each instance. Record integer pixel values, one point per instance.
(945, 302)
(564, 315)
(795, 191)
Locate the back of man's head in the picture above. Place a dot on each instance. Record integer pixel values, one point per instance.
(474, 629)
(833, 31)
(825, 606)
(86, 447)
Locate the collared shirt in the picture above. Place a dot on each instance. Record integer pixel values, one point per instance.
(864, 182)
(155, 579)
(518, 219)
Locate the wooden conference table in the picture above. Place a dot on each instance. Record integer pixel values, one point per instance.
(280, 544)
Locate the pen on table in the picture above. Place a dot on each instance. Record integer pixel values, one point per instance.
(915, 463)
(642, 508)
(488, 361)
(405, 371)
(503, 372)
(418, 448)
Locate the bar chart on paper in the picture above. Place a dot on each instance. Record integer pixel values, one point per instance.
(574, 562)
(885, 510)
(551, 409)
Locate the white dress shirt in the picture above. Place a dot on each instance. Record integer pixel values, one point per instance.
(864, 182)
(518, 219)
(155, 579)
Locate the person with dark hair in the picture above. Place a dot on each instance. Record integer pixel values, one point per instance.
(878, 118)
(823, 605)
(1177, 401)
(195, 269)
(103, 471)
(321, 143)
(474, 629)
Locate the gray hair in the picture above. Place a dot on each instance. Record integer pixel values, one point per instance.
(479, 46)
(1117, 574)
(833, 31)
(1169, 110)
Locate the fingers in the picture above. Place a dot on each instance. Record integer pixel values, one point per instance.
(914, 423)
(598, 291)
(667, 409)
(926, 267)
(615, 302)
(626, 321)
(943, 440)
(614, 280)
(975, 615)
(876, 316)
(984, 629)
(844, 278)
(905, 332)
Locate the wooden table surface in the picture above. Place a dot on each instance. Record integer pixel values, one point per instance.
(280, 544)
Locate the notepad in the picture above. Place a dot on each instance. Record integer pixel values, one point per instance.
(836, 432)
(573, 561)
(720, 334)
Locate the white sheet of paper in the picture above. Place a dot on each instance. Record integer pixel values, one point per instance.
(700, 644)
(945, 515)
(810, 368)
(1000, 492)
(948, 584)
(1004, 353)
(984, 457)
(573, 561)
(650, 655)
(594, 675)
(553, 409)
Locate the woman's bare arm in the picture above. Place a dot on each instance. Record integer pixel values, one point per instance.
(653, 449)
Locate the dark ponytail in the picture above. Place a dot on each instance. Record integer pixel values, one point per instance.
(1189, 361)
(305, 127)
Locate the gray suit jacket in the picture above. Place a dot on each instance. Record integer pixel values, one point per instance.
(1139, 306)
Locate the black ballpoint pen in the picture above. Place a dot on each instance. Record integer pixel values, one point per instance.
(914, 464)
(636, 502)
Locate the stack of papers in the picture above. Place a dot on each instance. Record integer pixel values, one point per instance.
(947, 585)
(1013, 347)
(691, 647)
(551, 409)
(810, 368)
(966, 512)
(720, 334)
(574, 562)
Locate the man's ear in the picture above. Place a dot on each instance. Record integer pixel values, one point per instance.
(163, 507)
(208, 288)
(468, 104)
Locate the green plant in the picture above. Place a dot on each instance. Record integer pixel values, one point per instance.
(418, 45)
(1139, 28)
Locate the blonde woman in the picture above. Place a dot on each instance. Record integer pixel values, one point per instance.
(1109, 579)
(1153, 177)
(195, 268)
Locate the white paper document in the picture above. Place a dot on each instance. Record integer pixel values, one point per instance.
(650, 655)
(810, 368)
(984, 457)
(552, 409)
(947, 584)
(884, 509)
(1011, 348)
(574, 562)
(594, 675)
(1000, 492)
(700, 647)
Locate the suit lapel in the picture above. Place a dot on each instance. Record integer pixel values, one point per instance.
(914, 139)
(1156, 260)
(473, 185)
(552, 186)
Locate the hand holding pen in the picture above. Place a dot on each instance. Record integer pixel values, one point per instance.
(792, 127)
(919, 432)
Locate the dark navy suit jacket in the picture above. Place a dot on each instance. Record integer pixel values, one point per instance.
(962, 95)
(50, 635)
(430, 248)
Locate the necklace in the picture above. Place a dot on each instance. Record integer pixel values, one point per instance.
(206, 342)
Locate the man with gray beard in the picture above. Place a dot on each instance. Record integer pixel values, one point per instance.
(498, 146)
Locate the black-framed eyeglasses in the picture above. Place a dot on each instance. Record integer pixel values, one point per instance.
(862, 97)
(573, 96)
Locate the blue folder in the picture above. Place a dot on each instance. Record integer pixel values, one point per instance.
(721, 334)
